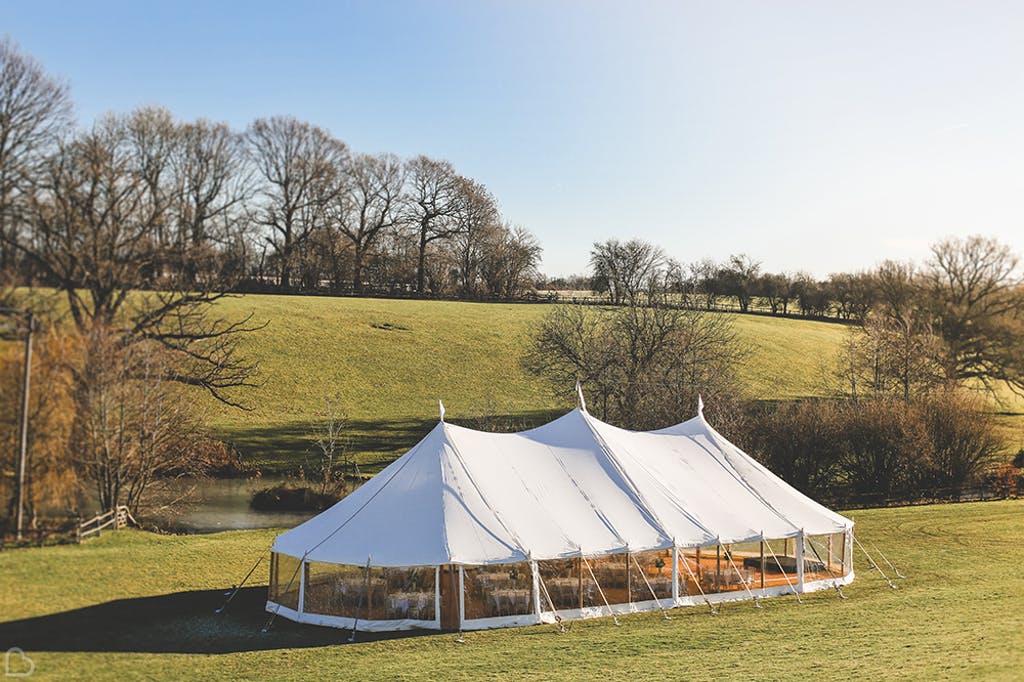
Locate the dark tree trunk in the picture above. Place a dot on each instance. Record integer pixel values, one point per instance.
(357, 271)
(421, 263)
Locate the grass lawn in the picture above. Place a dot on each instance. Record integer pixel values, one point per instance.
(131, 605)
(390, 360)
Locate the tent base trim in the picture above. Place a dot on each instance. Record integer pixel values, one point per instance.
(346, 623)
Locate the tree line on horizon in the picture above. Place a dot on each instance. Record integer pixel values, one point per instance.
(282, 206)
(958, 316)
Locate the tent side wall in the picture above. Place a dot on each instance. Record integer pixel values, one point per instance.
(381, 599)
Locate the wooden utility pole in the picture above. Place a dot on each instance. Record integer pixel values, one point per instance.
(23, 444)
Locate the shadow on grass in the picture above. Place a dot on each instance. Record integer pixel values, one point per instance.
(180, 623)
(283, 448)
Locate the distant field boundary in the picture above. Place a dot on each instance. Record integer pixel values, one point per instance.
(980, 493)
(549, 298)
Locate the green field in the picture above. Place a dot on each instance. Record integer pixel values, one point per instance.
(132, 605)
(390, 361)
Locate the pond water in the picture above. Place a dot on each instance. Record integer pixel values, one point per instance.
(216, 504)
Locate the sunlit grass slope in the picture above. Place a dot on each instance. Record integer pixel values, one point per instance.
(390, 360)
(132, 605)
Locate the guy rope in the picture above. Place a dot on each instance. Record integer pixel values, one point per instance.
(238, 587)
(874, 565)
(782, 570)
(558, 619)
(600, 591)
(743, 581)
(644, 576)
(686, 565)
(835, 582)
(366, 587)
(894, 569)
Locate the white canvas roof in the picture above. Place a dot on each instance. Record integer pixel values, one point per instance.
(573, 485)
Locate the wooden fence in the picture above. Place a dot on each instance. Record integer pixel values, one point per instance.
(115, 519)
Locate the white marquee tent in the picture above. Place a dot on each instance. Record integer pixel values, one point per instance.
(572, 519)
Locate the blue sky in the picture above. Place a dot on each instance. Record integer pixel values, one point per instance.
(820, 136)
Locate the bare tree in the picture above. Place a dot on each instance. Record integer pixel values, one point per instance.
(478, 217)
(35, 109)
(975, 295)
(328, 435)
(885, 357)
(885, 448)
(508, 261)
(739, 276)
(369, 205)
(300, 165)
(706, 278)
(898, 289)
(49, 478)
(625, 268)
(132, 429)
(213, 185)
(800, 441)
(642, 366)
(776, 288)
(964, 440)
(432, 199)
(853, 294)
(95, 232)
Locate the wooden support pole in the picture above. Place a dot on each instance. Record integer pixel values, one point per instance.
(762, 564)
(718, 567)
(675, 572)
(800, 568)
(629, 587)
(579, 565)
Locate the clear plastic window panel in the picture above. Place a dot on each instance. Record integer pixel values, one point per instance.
(377, 594)
(334, 590)
(825, 556)
(494, 591)
(613, 577)
(780, 563)
(650, 575)
(568, 583)
(284, 580)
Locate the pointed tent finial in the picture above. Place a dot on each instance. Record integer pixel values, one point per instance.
(579, 396)
(700, 405)
(441, 405)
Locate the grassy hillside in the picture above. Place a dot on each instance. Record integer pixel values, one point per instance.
(132, 605)
(390, 361)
